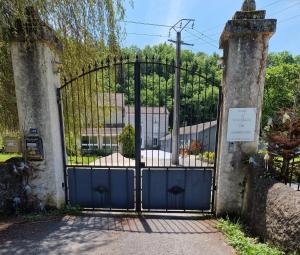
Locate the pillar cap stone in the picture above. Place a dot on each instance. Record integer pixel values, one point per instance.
(248, 21)
(33, 30)
(249, 5)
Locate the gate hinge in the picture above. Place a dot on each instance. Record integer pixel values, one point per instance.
(215, 187)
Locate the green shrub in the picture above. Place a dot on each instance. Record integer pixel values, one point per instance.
(127, 141)
(209, 156)
(103, 152)
(71, 152)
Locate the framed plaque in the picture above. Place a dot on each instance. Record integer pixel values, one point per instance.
(241, 124)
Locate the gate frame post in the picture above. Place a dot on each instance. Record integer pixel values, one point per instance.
(137, 122)
(63, 145)
(245, 43)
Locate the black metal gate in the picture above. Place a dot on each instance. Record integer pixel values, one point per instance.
(117, 124)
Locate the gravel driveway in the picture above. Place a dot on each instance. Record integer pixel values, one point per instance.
(113, 234)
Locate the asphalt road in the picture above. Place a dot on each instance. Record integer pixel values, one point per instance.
(114, 234)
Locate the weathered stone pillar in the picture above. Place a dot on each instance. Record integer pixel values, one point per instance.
(36, 77)
(245, 44)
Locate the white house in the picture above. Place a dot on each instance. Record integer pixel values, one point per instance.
(115, 115)
(154, 124)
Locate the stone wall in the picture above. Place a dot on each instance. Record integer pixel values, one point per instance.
(272, 210)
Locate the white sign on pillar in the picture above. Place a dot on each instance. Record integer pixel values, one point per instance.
(241, 124)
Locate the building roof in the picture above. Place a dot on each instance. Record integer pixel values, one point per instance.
(193, 129)
(148, 110)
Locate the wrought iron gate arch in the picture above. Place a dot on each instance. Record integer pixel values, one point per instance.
(101, 102)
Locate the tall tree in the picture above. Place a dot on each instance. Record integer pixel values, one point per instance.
(87, 29)
(282, 83)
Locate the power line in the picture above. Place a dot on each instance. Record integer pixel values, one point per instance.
(213, 28)
(143, 34)
(272, 3)
(220, 25)
(283, 10)
(146, 23)
(288, 19)
(206, 36)
(198, 37)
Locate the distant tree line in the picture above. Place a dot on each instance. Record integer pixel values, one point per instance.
(91, 31)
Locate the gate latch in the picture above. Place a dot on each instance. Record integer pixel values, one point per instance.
(101, 189)
(176, 190)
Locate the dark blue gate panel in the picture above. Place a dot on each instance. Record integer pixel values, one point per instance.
(176, 189)
(101, 188)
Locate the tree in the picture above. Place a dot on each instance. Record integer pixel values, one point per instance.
(87, 29)
(282, 83)
(8, 104)
(127, 139)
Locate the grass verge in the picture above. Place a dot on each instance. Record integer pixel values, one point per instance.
(82, 160)
(52, 213)
(244, 245)
(6, 156)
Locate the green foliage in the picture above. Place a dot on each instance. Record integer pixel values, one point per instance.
(104, 152)
(207, 156)
(127, 141)
(8, 104)
(158, 81)
(282, 87)
(88, 30)
(6, 156)
(244, 245)
(66, 210)
(80, 160)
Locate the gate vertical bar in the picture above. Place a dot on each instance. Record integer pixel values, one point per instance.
(219, 105)
(62, 135)
(137, 92)
(176, 121)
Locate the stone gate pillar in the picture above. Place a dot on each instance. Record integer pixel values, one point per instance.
(36, 77)
(245, 43)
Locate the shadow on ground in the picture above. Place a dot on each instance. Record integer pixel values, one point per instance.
(93, 231)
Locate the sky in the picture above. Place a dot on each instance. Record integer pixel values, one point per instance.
(210, 17)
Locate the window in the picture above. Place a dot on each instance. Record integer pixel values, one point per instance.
(84, 140)
(89, 142)
(110, 141)
(114, 140)
(106, 140)
(93, 140)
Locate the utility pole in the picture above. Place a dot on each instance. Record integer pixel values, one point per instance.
(183, 23)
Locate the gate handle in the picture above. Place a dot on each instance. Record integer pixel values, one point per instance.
(176, 190)
(101, 189)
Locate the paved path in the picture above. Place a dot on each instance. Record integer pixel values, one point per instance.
(114, 235)
(150, 158)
